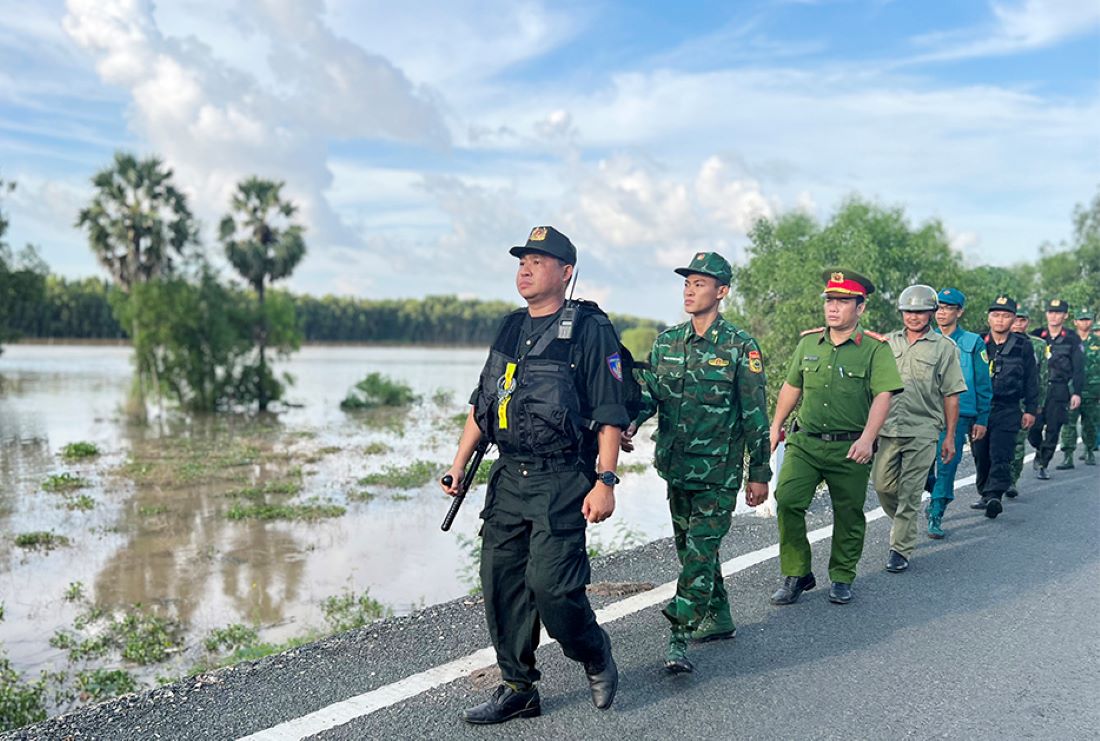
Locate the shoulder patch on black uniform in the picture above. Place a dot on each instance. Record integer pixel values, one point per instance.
(812, 331)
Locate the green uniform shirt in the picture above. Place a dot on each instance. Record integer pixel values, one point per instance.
(1092, 365)
(1040, 348)
(930, 370)
(839, 382)
(709, 396)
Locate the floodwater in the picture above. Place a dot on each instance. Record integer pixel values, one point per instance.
(168, 544)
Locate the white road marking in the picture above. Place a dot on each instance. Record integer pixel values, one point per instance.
(345, 711)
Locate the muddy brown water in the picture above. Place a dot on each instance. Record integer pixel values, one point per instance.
(158, 534)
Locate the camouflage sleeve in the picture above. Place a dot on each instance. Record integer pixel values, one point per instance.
(752, 387)
(647, 379)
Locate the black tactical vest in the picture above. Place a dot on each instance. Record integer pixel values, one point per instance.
(530, 405)
(1006, 366)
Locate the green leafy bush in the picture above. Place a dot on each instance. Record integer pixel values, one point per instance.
(377, 390)
(79, 451)
(347, 611)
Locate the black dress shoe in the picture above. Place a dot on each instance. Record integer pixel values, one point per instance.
(840, 593)
(995, 508)
(603, 679)
(981, 503)
(1042, 474)
(505, 704)
(1011, 492)
(792, 589)
(896, 563)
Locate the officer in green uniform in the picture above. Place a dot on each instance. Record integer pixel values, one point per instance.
(1090, 396)
(847, 376)
(1020, 326)
(930, 369)
(551, 399)
(705, 381)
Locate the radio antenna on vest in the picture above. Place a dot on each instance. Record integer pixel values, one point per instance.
(569, 314)
(573, 287)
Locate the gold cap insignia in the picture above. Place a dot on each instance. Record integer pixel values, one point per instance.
(1002, 300)
(836, 278)
(538, 234)
(701, 256)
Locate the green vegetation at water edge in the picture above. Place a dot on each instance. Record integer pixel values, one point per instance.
(136, 634)
(309, 512)
(79, 451)
(347, 611)
(61, 482)
(223, 456)
(74, 592)
(376, 448)
(231, 637)
(21, 703)
(409, 476)
(102, 684)
(271, 487)
(41, 540)
(152, 510)
(82, 503)
(377, 390)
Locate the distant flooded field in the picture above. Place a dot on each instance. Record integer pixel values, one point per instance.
(235, 520)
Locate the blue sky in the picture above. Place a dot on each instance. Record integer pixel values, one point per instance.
(424, 139)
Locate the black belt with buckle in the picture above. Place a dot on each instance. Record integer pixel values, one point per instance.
(832, 437)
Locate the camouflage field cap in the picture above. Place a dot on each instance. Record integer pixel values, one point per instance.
(1022, 312)
(1003, 303)
(1085, 314)
(547, 240)
(1057, 304)
(709, 263)
(840, 282)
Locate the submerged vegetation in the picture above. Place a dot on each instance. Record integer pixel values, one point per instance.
(62, 482)
(410, 476)
(79, 451)
(376, 390)
(41, 540)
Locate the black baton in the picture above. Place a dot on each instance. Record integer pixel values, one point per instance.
(464, 485)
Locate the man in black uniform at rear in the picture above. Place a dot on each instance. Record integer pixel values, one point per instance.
(1015, 379)
(1065, 383)
(551, 399)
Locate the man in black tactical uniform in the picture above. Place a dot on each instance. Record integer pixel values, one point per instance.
(551, 399)
(1066, 366)
(1015, 378)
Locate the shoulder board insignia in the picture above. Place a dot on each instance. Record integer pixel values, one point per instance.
(876, 335)
(718, 362)
(812, 331)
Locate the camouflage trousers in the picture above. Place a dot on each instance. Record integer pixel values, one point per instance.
(1018, 456)
(1087, 413)
(700, 519)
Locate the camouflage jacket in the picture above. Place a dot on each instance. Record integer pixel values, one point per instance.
(1040, 347)
(709, 396)
(1092, 365)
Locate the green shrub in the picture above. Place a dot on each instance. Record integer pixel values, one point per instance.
(377, 390)
(101, 684)
(79, 451)
(347, 611)
(21, 703)
(60, 482)
(231, 637)
(41, 540)
(413, 475)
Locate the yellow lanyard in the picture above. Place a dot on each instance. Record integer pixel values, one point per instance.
(506, 385)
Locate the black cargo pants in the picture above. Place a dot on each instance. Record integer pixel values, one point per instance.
(1044, 434)
(993, 453)
(534, 564)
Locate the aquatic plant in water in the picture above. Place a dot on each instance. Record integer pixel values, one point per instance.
(377, 390)
(79, 451)
(41, 540)
(410, 476)
(60, 482)
(347, 611)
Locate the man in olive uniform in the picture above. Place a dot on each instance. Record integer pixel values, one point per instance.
(551, 399)
(1066, 361)
(1015, 380)
(973, 403)
(929, 408)
(1090, 396)
(1020, 325)
(706, 383)
(847, 376)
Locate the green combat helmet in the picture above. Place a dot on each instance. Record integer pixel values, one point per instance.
(918, 298)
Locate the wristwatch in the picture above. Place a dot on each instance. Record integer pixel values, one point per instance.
(608, 478)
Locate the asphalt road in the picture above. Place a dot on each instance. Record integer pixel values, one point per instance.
(993, 632)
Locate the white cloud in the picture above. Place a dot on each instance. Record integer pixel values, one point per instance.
(1019, 27)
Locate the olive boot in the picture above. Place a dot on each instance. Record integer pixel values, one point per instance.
(715, 627)
(1067, 461)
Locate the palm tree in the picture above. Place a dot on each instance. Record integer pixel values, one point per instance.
(263, 245)
(138, 223)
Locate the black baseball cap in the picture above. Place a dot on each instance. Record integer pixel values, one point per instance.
(547, 240)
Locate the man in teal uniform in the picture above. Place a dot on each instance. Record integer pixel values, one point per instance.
(847, 376)
(974, 403)
(927, 412)
(706, 384)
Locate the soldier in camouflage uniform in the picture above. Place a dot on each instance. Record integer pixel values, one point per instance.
(1023, 319)
(706, 384)
(1090, 396)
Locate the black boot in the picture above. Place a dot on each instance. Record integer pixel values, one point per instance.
(995, 508)
(896, 563)
(840, 593)
(1042, 474)
(981, 503)
(792, 589)
(505, 704)
(603, 678)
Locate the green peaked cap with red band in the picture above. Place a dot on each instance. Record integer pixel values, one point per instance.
(841, 282)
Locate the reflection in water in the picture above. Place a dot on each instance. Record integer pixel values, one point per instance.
(159, 534)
